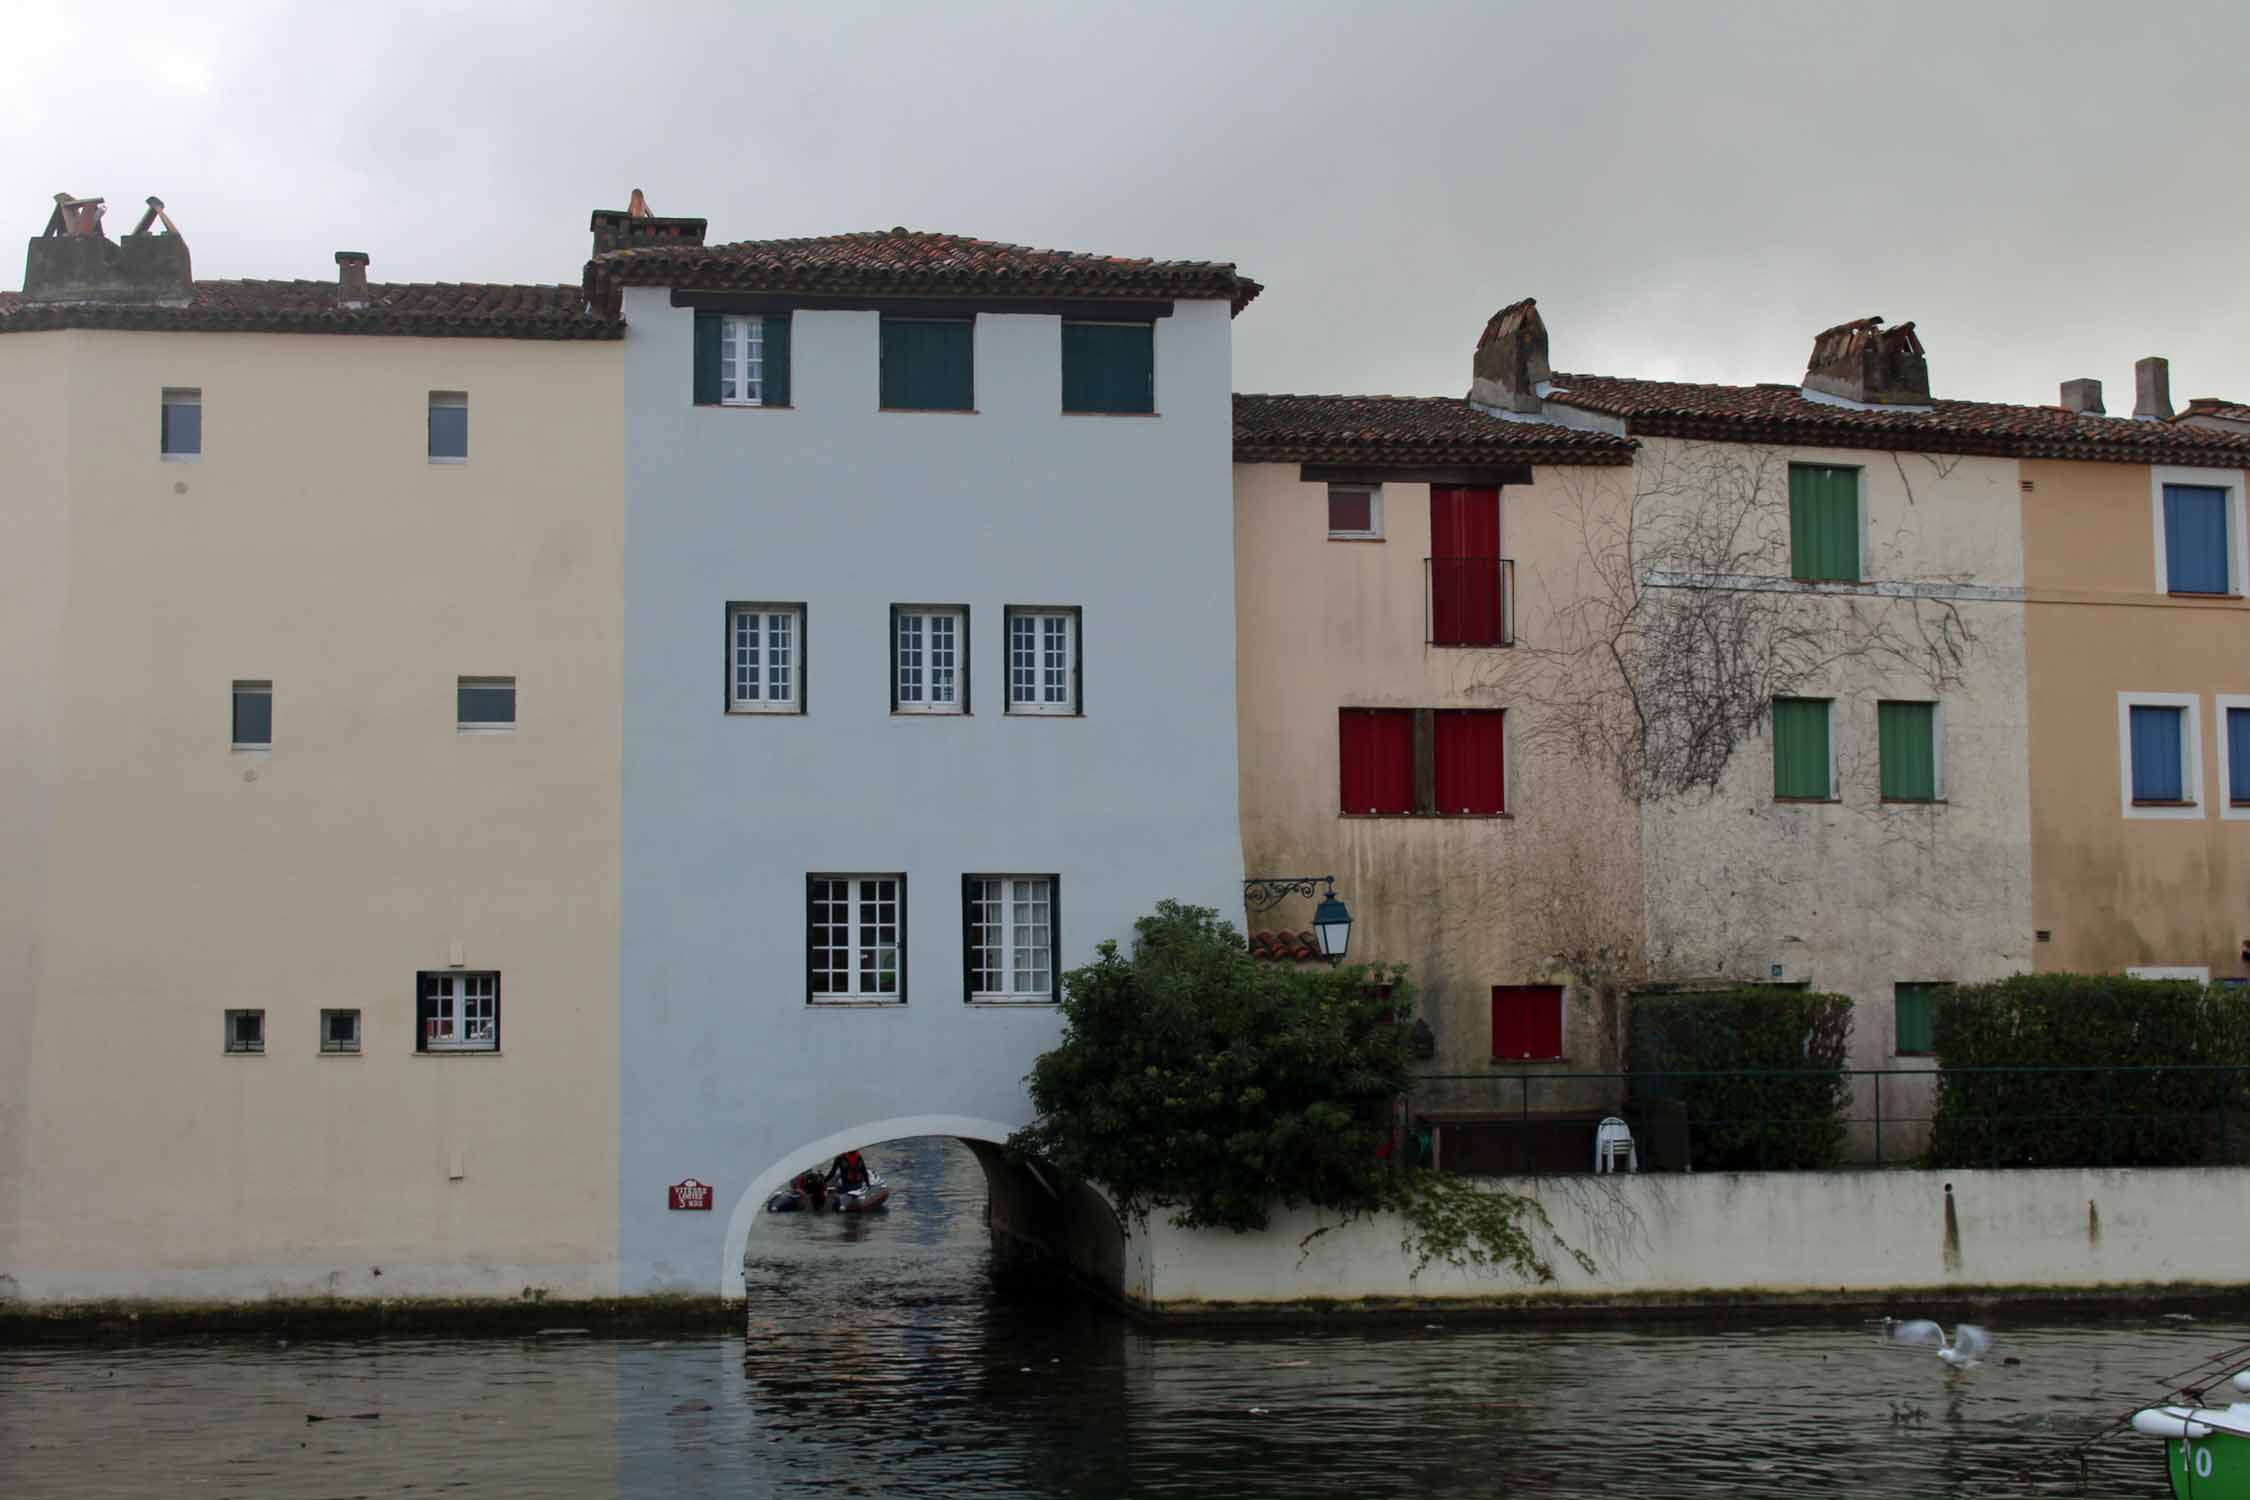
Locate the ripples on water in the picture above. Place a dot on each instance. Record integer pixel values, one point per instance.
(890, 1355)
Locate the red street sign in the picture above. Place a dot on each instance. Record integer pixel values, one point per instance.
(691, 1194)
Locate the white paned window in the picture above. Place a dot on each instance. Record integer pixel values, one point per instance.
(742, 361)
(765, 655)
(1011, 934)
(854, 924)
(1042, 661)
(460, 1012)
(928, 662)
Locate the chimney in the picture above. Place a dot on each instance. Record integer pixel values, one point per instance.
(2083, 397)
(73, 260)
(634, 226)
(2152, 390)
(1866, 362)
(1511, 359)
(351, 278)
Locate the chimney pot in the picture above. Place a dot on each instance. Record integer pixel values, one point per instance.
(2083, 396)
(2152, 390)
(351, 278)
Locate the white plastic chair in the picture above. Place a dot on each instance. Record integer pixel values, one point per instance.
(1613, 1143)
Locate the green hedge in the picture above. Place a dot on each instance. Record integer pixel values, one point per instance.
(1737, 1123)
(2128, 1097)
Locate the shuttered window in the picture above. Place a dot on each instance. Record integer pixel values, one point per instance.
(2158, 754)
(1823, 523)
(1109, 367)
(2238, 756)
(742, 359)
(1908, 736)
(1470, 747)
(928, 365)
(253, 716)
(1527, 1022)
(2195, 538)
(1914, 1016)
(1377, 747)
(1801, 763)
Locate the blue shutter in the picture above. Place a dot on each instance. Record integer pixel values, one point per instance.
(2238, 756)
(2195, 538)
(2156, 755)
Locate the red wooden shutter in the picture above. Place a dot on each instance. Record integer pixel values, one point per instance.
(1464, 566)
(1526, 1022)
(1377, 756)
(1471, 774)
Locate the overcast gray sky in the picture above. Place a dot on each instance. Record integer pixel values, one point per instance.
(1691, 190)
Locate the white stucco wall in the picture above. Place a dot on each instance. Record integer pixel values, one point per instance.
(1808, 1233)
(728, 1074)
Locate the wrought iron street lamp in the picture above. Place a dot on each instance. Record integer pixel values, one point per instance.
(1332, 920)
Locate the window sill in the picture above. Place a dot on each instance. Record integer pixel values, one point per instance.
(1816, 582)
(449, 463)
(764, 711)
(1915, 801)
(1470, 645)
(931, 411)
(1069, 413)
(484, 729)
(853, 1002)
(1353, 536)
(930, 713)
(1429, 817)
(1011, 1002)
(1914, 1056)
(2137, 802)
(743, 406)
(1044, 713)
(1517, 1062)
(243, 1052)
(449, 1052)
(338, 1052)
(1809, 801)
(180, 458)
(251, 749)
(2198, 594)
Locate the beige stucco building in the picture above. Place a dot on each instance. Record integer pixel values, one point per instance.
(240, 775)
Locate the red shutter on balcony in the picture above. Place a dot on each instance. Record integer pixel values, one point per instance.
(1471, 769)
(1526, 1022)
(1377, 755)
(1464, 566)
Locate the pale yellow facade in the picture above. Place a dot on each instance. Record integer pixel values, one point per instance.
(155, 876)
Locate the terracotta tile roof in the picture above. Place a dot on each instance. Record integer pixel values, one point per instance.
(412, 309)
(1285, 947)
(912, 263)
(2216, 406)
(1416, 430)
(1782, 414)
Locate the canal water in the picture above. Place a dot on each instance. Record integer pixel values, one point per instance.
(892, 1355)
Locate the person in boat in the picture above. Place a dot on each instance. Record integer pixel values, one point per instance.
(848, 1172)
(811, 1184)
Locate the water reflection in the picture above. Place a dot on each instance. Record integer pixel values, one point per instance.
(892, 1355)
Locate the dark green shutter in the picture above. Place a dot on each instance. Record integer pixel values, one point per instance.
(1908, 734)
(1823, 523)
(928, 366)
(968, 937)
(1915, 1018)
(1109, 367)
(776, 389)
(706, 359)
(1800, 748)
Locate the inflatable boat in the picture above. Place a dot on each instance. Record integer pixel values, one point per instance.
(862, 1200)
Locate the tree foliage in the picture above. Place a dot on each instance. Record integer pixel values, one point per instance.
(1689, 1048)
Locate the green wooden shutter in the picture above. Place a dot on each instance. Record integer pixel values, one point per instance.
(1908, 734)
(706, 359)
(776, 389)
(1823, 523)
(928, 366)
(1800, 748)
(1915, 1018)
(1109, 367)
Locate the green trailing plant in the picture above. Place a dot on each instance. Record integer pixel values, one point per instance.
(1755, 1076)
(1195, 1080)
(2134, 1072)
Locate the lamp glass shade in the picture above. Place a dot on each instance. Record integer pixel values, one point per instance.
(1332, 925)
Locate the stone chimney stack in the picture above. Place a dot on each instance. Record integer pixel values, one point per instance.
(2152, 390)
(351, 278)
(74, 260)
(633, 226)
(1511, 359)
(2083, 397)
(1866, 362)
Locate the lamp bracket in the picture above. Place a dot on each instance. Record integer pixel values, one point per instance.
(1268, 891)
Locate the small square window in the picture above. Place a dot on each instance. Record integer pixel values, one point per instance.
(928, 364)
(180, 431)
(929, 660)
(1109, 368)
(766, 658)
(246, 1031)
(1355, 512)
(449, 427)
(486, 703)
(253, 715)
(1043, 661)
(458, 1012)
(1527, 1023)
(339, 1031)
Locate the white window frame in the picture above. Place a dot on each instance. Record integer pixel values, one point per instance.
(2220, 703)
(1040, 666)
(1013, 990)
(483, 726)
(451, 401)
(918, 696)
(1374, 533)
(358, 1037)
(180, 395)
(2191, 743)
(2238, 558)
(465, 1028)
(742, 342)
(764, 700)
(862, 898)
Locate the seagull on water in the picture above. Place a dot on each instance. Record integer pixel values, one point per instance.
(1968, 1349)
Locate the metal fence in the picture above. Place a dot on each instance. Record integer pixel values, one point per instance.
(1783, 1119)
